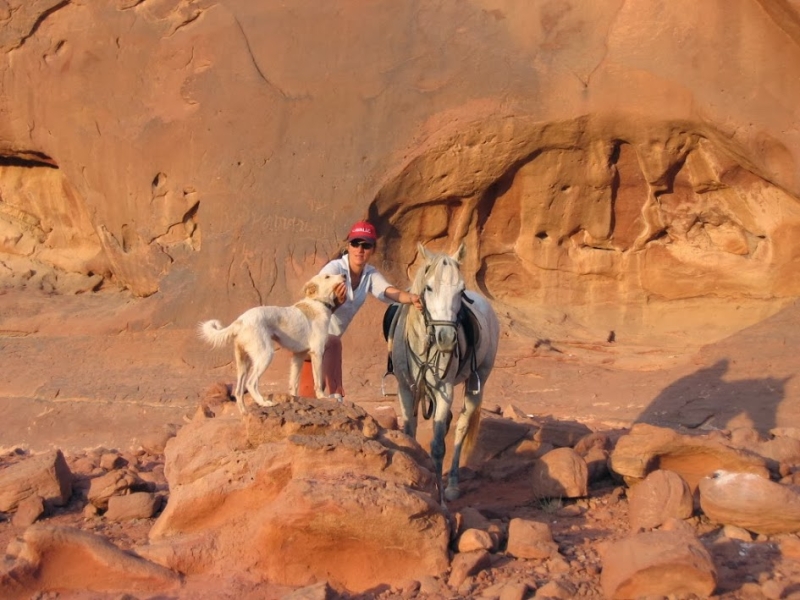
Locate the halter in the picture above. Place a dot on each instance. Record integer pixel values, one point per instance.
(432, 355)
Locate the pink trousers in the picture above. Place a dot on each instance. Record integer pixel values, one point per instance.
(331, 370)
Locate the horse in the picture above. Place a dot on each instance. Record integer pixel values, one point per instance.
(452, 340)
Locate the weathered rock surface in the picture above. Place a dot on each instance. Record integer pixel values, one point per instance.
(46, 475)
(66, 559)
(113, 483)
(752, 502)
(657, 563)
(138, 505)
(305, 483)
(647, 448)
(530, 539)
(561, 473)
(660, 496)
(579, 163)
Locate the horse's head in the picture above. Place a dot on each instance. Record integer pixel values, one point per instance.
(440, 285)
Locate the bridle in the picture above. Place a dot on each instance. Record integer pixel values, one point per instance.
(430, 363)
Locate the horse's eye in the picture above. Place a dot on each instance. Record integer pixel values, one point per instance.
(428, 288)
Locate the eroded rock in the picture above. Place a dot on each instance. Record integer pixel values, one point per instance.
(46, 475)
(647, 448)
(752, 502)
(662, 495)
(657, 563)
(304, 484)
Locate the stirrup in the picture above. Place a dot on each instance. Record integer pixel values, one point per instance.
(384, 393)
(474, 383)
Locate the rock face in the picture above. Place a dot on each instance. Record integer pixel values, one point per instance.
(647, 448)
(46, 475)
(751, 502)
(303, 492)
(658, 563)
(660, 496)
(48, 557)
(597, 163)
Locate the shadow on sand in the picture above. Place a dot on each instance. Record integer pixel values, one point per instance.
(706, 400)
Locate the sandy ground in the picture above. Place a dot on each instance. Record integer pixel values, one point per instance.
(81, 372)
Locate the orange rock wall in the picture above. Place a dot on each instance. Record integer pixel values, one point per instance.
(211, 155)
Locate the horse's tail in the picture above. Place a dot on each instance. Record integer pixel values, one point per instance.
(215, 334)
(472, 432)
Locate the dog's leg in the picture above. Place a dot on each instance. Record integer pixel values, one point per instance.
(262, 357)
(243, 366)
(294, 372)
(316, 367)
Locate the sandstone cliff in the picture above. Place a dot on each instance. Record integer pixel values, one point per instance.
(613, 166)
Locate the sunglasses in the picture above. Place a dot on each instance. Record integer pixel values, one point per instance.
(360, 244)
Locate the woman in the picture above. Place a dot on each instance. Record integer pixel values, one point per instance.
(361, 279)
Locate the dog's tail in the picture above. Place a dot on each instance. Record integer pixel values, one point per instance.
(216, 334)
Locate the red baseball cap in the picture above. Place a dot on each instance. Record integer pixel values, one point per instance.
(363, 231)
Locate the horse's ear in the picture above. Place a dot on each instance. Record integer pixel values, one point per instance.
(423, 252)
(310, 290)
(460, 253)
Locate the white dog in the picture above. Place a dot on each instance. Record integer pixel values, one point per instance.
(301, 329)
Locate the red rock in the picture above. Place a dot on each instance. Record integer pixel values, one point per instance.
(66, 559)
(30, 509)
(657, 563)
(530, 539)
(466, 564)
(475, 539)
(138, 505)
(318, 499)
(752, 502)
(561, 473)
(661, 495)
(46, 475)
(647, 447)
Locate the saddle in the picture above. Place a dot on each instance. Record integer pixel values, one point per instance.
(466, 321)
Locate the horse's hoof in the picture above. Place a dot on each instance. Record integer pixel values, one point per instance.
(452, 493)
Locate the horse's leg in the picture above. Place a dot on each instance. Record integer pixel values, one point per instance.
(441, 422)
(407, 407)
(466, 428)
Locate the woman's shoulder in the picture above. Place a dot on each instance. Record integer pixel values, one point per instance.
(336, 265)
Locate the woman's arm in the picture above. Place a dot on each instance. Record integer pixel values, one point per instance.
(402, 297)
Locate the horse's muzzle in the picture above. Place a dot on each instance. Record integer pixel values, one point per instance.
(445, 338)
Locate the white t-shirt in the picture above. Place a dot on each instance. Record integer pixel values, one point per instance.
(371, 282)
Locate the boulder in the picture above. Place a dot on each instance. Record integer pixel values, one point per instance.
(113, 483)
(319, 490)
(466, 564)
(657, 563)
(751, 502)
(561, 473)
(530, 539)
(138, 505)
(46, 475)
(660, 496)
(560, 433)
(647, 448)
(62, 559)
(28, 510)
(476, 539)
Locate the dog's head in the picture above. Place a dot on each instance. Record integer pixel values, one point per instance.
(320, 287)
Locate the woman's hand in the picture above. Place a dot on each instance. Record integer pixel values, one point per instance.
(415, 300)
(341, 293)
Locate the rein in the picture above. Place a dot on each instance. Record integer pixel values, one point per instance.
(423, 389)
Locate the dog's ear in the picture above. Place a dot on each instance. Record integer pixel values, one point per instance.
(310, 290)
(460, 253)
(422, 251)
